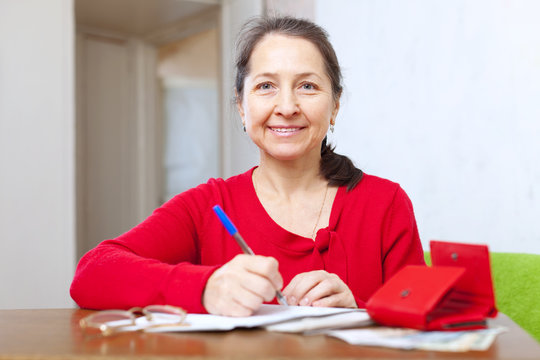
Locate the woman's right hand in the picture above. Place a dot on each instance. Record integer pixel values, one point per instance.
(239, 287)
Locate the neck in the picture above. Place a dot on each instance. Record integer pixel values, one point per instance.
(285, 178)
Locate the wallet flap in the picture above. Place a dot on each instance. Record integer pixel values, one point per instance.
(458, 321)
(476, 281)
(411, 294)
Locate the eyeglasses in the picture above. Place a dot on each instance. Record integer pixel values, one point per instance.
(109, 322)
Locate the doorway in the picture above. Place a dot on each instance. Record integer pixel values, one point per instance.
(188, 76)
(139, 112)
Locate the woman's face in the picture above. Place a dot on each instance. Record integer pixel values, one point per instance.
(287, 103)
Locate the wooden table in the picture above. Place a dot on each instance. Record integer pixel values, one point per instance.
(55, 334)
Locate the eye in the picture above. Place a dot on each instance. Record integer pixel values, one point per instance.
(264, 86)
(308, 87)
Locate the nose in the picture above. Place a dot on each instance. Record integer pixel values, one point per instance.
(286, 104)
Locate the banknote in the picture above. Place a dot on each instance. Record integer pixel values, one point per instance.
(452, 341)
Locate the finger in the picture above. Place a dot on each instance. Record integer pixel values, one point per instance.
(323, 289)
(294, 282)
(258, 285)
(233, 299)
(304, 284)
(334, 300)
(266, 267)
(289, 291)
(248, 299)
(223, 286)
(238, 275)
(236, 309)
(342, 299)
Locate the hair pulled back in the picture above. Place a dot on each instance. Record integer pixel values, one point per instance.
(337, 169)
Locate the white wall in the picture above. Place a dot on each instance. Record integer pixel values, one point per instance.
(36, 153)
(444, 98)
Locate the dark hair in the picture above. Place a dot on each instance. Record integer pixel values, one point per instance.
(337, 169)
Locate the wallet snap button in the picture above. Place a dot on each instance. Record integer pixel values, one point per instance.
(405, 293)
(454, 256)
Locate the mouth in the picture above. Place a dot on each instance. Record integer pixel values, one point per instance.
(285, 130)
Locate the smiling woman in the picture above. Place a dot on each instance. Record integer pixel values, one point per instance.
(288, 105)
(331, 234)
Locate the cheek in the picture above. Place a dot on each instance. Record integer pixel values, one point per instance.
(256, 112)
(319, 111)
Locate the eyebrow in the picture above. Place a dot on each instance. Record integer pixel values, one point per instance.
(301, 75)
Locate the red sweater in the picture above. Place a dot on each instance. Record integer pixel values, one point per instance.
(168, 258)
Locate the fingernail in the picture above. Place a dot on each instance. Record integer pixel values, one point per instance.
(291, 300)
(304, 302)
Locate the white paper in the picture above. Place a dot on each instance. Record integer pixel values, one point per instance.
(266, 315)
(311, 325)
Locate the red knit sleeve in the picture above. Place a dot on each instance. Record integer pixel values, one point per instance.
(401, 241)
(154, 263)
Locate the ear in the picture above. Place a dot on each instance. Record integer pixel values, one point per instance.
(335, 112)
(239, 105)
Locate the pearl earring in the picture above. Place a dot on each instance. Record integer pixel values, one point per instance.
(332, 128)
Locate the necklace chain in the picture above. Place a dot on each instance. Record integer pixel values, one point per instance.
(320, 210)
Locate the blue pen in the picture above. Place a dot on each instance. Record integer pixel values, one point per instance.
(227, 223)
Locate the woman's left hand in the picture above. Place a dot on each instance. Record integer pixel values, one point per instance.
(319, 288)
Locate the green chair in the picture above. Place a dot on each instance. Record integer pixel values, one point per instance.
(516, 279)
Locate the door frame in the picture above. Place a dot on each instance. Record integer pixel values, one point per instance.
(236, 150)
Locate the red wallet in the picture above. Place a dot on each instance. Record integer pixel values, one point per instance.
(455, 293)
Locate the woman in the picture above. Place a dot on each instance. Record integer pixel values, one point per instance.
(321, 227)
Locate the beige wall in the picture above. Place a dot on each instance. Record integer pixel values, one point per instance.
(239, 152)
(36, 153)
(299, 8)
(108, 134)
(37, 145)
(193, 58)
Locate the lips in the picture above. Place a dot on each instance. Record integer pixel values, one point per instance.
(285, 130)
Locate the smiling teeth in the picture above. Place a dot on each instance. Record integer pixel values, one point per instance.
(284, 129)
